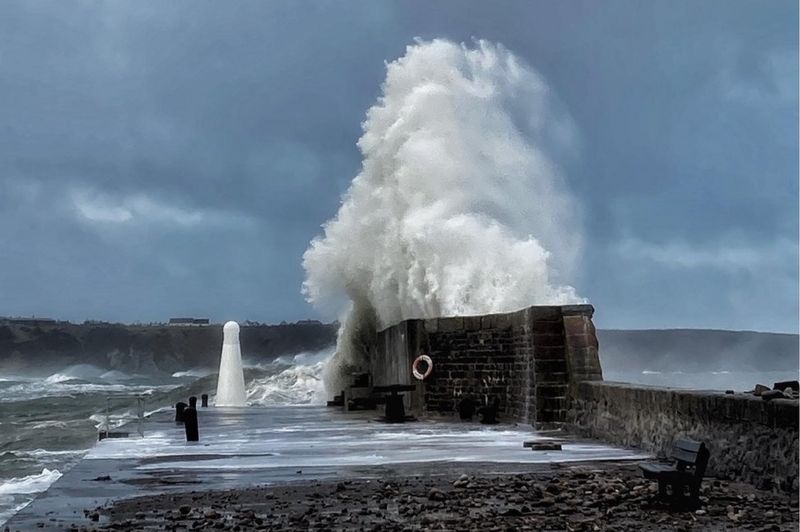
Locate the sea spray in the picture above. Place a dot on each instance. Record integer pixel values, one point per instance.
(460, 206)
(295, 380)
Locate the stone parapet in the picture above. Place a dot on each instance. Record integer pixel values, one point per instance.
(749, 439)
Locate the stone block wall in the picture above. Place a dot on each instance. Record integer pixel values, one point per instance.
(749, 439)
(529, 360)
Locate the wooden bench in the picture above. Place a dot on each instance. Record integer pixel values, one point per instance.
(690, 459)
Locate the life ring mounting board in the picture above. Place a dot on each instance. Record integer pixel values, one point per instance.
(415, 367)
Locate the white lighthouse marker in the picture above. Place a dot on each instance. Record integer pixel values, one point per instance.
(230, 385)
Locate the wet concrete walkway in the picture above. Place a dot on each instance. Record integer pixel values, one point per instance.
(257, 446)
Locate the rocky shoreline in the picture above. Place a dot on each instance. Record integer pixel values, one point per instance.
(604, 496)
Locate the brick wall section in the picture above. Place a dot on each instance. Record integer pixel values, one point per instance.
(529, 360)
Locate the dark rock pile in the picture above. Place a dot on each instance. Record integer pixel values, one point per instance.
(578, 498)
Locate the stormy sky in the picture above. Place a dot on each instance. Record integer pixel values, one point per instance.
(175, 158)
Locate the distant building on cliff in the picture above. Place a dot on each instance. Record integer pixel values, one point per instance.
(188, 322)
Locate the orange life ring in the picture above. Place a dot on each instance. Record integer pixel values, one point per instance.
(415, 367)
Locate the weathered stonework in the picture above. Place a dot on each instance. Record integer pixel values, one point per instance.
(750, 439)
(530, 360)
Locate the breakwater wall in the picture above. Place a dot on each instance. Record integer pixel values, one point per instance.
(530, 361)
(749, 439)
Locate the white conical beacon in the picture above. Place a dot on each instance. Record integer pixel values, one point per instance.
(230, 386)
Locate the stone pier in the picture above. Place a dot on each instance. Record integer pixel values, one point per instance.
(530, 361)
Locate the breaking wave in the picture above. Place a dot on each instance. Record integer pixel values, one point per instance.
(296, 380)
(31, 483)
(16, 493)
(460, 206)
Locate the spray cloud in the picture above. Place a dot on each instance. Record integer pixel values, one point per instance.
(459, 208)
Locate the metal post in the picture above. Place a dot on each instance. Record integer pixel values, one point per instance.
(140, 414)
(108, 415)
(190, 424)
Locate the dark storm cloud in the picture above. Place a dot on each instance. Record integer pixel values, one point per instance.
(176, 158)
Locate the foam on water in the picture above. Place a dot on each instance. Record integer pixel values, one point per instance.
(297, 382)
(31, 483)
(16, 493)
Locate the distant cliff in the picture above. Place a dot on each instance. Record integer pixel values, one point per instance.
(697, 350)
(42, 348)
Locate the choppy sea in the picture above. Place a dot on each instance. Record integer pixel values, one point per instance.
(49, 424)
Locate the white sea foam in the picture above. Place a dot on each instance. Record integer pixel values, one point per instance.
(299, 383)
(17, 493)
(30, 484)
(39, 453)
(460, 206)
(196, 372)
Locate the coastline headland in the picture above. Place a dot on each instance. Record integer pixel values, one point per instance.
(42, 347)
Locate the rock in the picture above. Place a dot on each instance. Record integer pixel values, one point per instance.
(185, 509)
(95, 516)
(769, 395)
(760, 388)
(546, 501)
(700, 512)
(436, 495)
(211, 514)
(102, 478)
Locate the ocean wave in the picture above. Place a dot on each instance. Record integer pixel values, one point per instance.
(298, 383)
(196, 372)
(48, 424)
(39, 453)
(30, 484)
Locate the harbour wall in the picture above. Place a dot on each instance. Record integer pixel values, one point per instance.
(529, 361)
(749, 439)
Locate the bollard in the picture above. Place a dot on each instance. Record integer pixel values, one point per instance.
(395, 409)
(204, 400)
(193, 402)
(190, 423)
(179, 412)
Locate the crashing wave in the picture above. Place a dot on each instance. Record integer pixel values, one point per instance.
(460, 206)
(293, 380)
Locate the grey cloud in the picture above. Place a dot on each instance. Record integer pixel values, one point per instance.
(209, 142)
